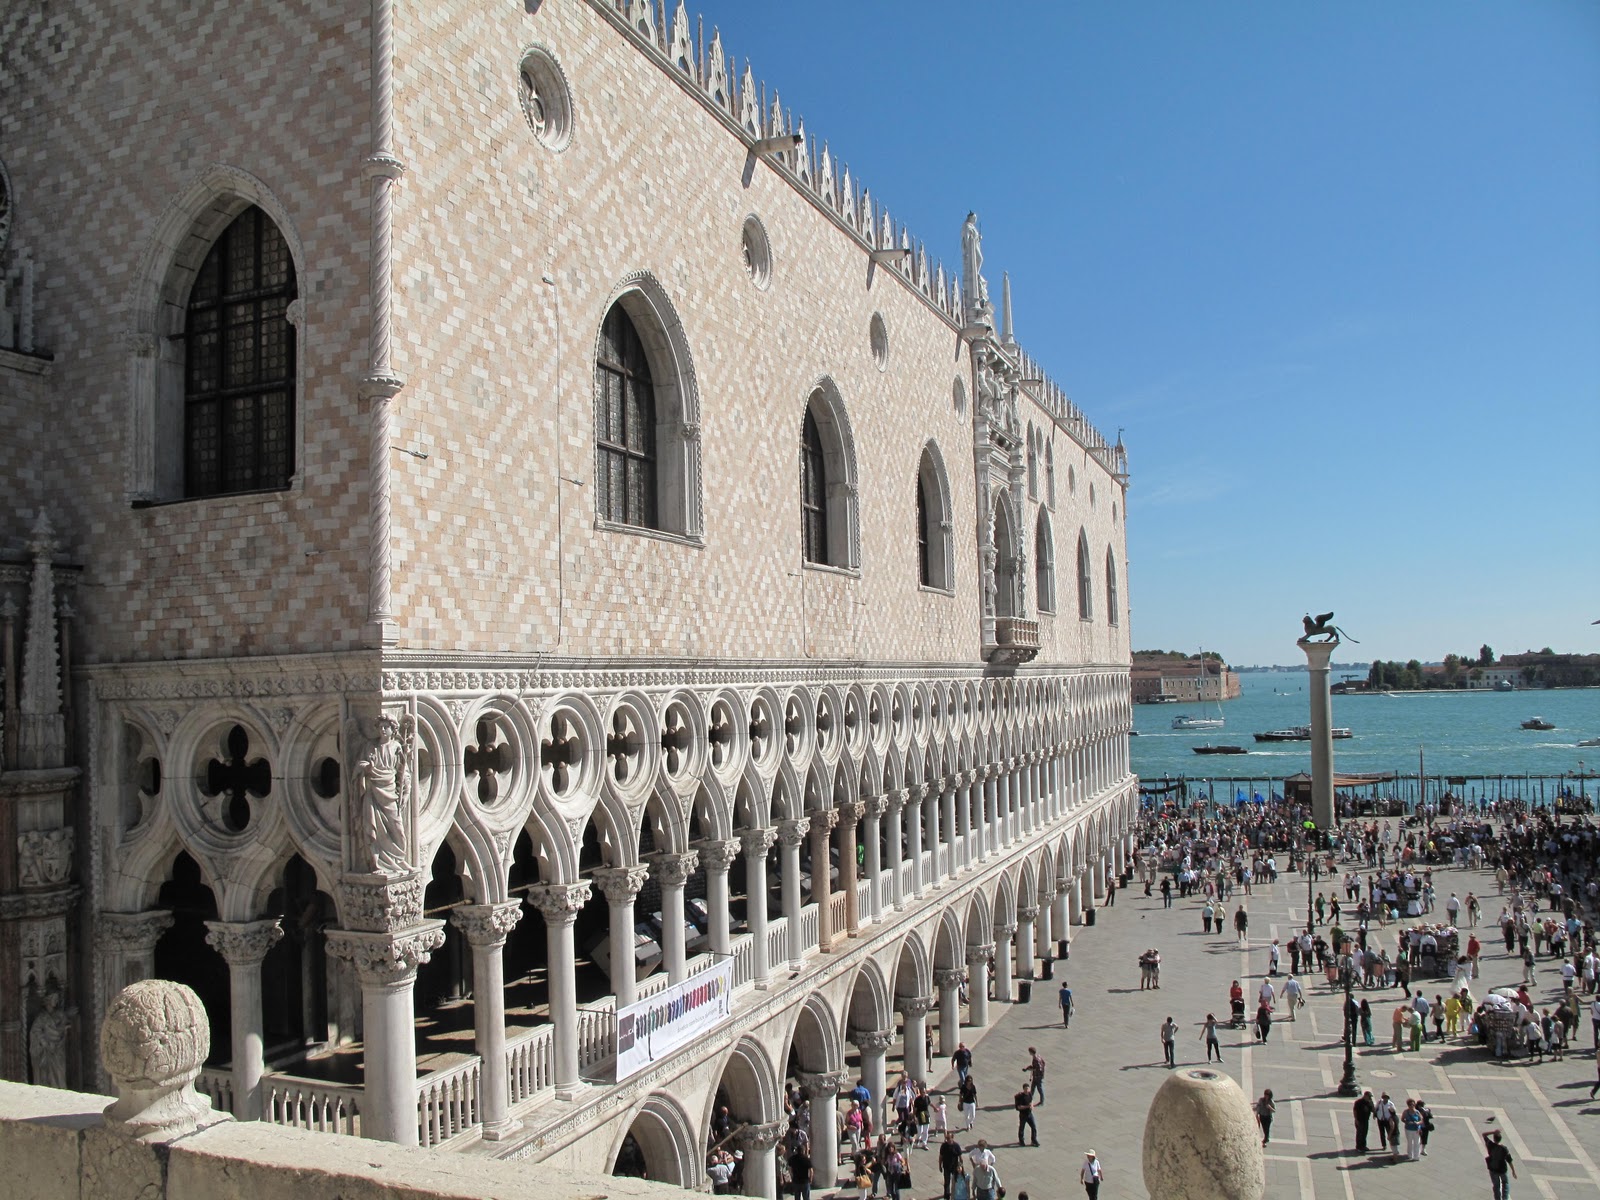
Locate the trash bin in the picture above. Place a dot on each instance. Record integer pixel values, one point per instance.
(1088, 916)
(1048, 969)
(1024, 990)
(1063, 948)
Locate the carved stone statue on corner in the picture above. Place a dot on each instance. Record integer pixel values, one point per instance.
(976, 288)
(47, 1043)
(382, 781)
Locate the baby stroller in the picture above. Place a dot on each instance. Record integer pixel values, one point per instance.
(1238, 1014)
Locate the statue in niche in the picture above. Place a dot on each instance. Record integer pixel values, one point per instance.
(47, 1042)
(382, 781)
(972, 267)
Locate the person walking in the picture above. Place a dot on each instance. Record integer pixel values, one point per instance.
(1293, 995)
(1169, 1039)
(985, 1178)
(1026, 1122)
(1035, 1074)
(1209, 1036)
(1366, 1021)
(1363, 1109)
(950, 1161)
(961, 1060)
(1501, 1169)
(1274, 957)
(1383, 1110)
(1091, 1175)
(1064, 999)
(1241, 926)
(1426, 1114)
(1263, 1022)
(1206, 914)
(968, 1092)
(1265, 1107)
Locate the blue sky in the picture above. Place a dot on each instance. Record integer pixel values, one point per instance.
(1334, 269)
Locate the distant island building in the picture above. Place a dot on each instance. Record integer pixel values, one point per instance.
(1182, 679)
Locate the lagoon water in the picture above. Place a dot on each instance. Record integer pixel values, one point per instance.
(1460, 733)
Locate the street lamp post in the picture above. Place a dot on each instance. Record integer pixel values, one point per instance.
(1347, 1081)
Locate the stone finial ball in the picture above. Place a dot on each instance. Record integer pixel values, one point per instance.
(1201, 1141)
(155, 1035)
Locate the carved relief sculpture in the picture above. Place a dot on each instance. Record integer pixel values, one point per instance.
(47, 1043)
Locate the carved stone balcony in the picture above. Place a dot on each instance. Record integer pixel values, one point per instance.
(1016, 640)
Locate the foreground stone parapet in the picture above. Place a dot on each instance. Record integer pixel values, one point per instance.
(1201, 1141)
(153, 1042)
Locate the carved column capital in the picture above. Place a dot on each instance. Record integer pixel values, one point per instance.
(671, 868)
(914, 1006)
(1028, 913)
(874, 806)
(871, 1041)
(718, 854)
(851, 811)
(1002, 933)
(821, 1085)
(559, 903)
(823, 821)
(387, 958)
(972, 775)
(138, 931)
(243, 943)
(619, 885)
(1063, 886)
(949, 977)
(980, 955)
(486, 924)
(793, 831)
(379, 903)
(757, 1138)
(756, 842)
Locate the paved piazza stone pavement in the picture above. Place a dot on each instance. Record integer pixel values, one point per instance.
(1103, 1072)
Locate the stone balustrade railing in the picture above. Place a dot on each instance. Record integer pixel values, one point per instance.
(448, 1102)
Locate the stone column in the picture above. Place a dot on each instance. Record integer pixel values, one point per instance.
(823, 1089)
(947, 802)
(620, 886)
(1002, 962)
(897, 801)
(822, 824)
(1044, 946)
(1024, 941)
(873, 1044)
(995, 800)
(672, 870)
(718, 856)
(244, 944)
(914, 806)
(948, 982)
(1097, 886)
(559, 903)
(386, 964)
(485, 927)
(127, 944)
(874, 811)
(1318, 655)
(756, 844)
(1062, 917)
(759, 1143)
(914, 1034)
(849, 818)
(978, 985)
(790, 834)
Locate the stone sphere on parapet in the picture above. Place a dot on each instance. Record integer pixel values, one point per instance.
(155, 1034)
(153, 1042)
(1201, 1141)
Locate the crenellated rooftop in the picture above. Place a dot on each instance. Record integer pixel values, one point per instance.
(712, 73)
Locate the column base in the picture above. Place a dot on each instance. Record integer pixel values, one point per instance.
(501, 1131)
(572, 1093)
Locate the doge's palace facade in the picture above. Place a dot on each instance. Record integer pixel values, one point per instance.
(487, 487)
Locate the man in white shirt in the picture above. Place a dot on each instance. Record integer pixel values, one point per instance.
(1267, 995)
(1292, 996)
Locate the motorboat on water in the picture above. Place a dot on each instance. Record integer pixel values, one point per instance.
(1210, 749)
(1300, 733)
(1198, 722)
(1537, 723)
(1162, 698)
(1594, 741)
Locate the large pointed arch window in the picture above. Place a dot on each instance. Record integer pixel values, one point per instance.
(1044, 565)
(813, 491)
(933, 522)
(239, 363)
(1085, 579)
(625, 415)
(1113, 600)
(829, 537)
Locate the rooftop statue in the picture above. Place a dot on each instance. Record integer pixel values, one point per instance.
(1322, 626)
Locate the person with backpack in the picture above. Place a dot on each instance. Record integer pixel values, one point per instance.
(1035, 1074)
(1091, 1175)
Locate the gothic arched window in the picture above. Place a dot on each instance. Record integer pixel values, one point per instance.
(813, 491)
(239, 363)
(933, 522)
(1085, 579)
(625, 422)
(1044, 565)
(1112, 605)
